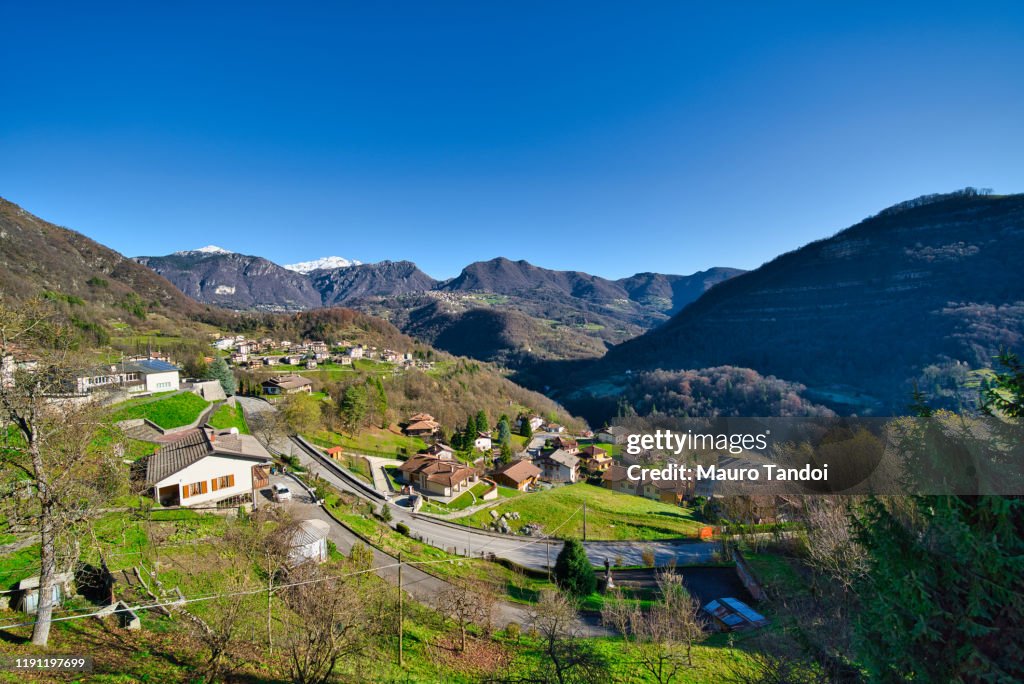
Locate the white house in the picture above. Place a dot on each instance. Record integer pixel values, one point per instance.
(206, 466)
(159, 376)
(309, 543)
(482, 441)
(224, 343)
(137, 375)
(613, 435)
(559, 466)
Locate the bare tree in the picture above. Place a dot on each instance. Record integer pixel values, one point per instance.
(570, 658)
(466, 603)
(223, 617)
(267, 541)
(327, 621)
(57, 472)
(831, 549)
(267, 426)
(662, 637)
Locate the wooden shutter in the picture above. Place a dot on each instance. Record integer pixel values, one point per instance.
(231, 480)
(214, 483)
(202, 487)
(184, 492)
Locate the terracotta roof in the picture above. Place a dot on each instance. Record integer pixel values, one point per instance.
(593, 451)
(422, 425)
(614, 474)
(437, 470)
(519, 471)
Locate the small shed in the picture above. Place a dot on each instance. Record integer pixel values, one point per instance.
(730, 614)
(28, 591)
(309, 543)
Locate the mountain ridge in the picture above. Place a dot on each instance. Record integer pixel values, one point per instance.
(916, 295)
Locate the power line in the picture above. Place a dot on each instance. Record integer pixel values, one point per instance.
(250, 592)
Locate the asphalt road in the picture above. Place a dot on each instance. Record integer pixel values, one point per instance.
(525, 551)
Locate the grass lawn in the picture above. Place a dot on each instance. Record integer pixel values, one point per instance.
(355, 514)
(169, 412)
(373, 441)
(228, 416)
(712, 661)
(610, 515)
(134, 449)
(471, 498)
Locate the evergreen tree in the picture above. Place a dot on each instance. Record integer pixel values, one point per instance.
(504, 430)
(218, 370)
(482, 423)
(573, 572)
(525, 429)
(945, 580)
(352, 410)
(506, 453)
(469, 434)
(377, 400)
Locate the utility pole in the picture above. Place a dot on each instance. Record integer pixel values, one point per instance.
(547, 557)
(584, 521)
(401, 614)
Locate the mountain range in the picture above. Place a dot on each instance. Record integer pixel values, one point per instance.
(919, 295)
(500, 310)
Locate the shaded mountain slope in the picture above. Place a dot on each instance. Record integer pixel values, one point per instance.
(921, 292)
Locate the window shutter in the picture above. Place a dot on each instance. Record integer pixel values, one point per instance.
(231, 480)
(202, 487)
(214, 483)
(184, 492)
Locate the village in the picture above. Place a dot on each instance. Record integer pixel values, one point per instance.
(507, 489)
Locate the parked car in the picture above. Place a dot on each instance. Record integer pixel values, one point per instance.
(281, 493)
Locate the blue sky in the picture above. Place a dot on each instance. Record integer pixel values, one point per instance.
(607, 137)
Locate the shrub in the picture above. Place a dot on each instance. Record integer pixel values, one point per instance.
(647, 557)
(513, 631)
(573, 571)
(402, 528)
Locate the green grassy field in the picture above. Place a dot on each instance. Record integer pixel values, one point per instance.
(168, 412)
(610, 515)
(470, 498)
(229, 417)
(373, 441)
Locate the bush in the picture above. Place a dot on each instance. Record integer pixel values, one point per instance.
(573, 571)
(512, 631)
(385, 513)
(647, 557)
(402, 528)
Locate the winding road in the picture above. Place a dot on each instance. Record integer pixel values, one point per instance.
(535, 553)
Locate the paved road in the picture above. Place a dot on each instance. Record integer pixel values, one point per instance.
(380, 479)
(422, 586)
(528, 552)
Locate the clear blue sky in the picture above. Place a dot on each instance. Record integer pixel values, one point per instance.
(606, 137)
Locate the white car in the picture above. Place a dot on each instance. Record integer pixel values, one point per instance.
(281, 493)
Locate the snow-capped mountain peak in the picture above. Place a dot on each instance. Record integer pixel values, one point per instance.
(324, 262)
(208, 249)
